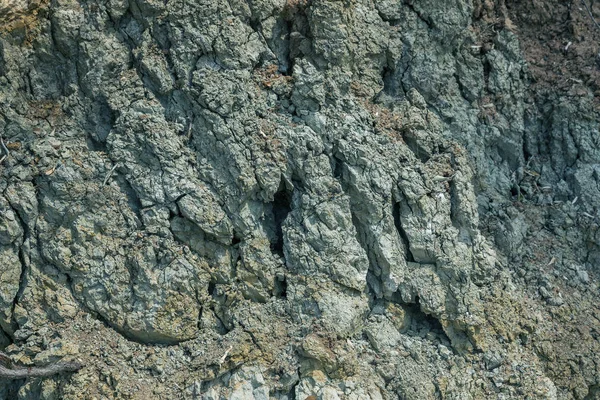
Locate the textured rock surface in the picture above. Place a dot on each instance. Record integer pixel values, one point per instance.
(361, 199)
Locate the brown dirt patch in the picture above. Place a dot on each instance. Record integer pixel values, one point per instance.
(561, 43)
(19, 19)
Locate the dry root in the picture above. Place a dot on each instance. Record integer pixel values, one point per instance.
(8, 371)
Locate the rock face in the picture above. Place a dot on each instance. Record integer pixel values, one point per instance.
(301, 199)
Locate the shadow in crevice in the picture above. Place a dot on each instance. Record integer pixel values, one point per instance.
(412, 142)
(297, 27)
(390, 83)
(5, 339)
(401, 232)
(133, 200)
(100, 119)
(211, 288)
(422, 323)
(593, 392)
(280, 287)
(280, 208)
(236, 240)
(215, 311)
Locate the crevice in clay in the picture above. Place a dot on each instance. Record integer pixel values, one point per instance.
(401, 232)
(423, 323)
(280, 287)
(281, 207)
(24, 263)
(410, 5)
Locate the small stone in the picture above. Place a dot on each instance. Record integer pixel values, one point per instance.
(583, 276)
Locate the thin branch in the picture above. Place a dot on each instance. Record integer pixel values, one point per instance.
(4, 149)
(590, 12)
(8, 371)
(110, 174)
(39, 372)
(189, 132)
(224, 357)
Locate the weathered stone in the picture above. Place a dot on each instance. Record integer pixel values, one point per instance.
(276, 199)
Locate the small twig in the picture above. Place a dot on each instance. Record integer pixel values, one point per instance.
(588, 215)
(439, 178)
(4, 146)
(531, 173)
(7, 371)
(567, 46)
(4, 149)
(189, 132)
(590, 12)
(222, 360)
(110, 174)
(51, 170)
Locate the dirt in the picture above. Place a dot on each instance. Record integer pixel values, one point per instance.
(560, 41)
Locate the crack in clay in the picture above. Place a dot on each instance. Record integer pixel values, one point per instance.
(24, 266)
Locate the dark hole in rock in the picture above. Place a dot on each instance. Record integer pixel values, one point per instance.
(423, 323)
(222, 327)
(100, 121)
(593, 392)
(389, 83)
(337, 168)
(281, 207)
(402, 232)
(280, 287)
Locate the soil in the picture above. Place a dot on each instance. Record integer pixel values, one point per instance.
(560, 41)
